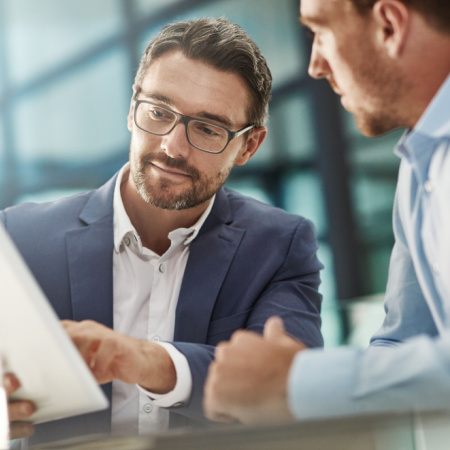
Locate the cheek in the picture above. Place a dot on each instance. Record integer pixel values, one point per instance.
(212, 166)
(142, 142)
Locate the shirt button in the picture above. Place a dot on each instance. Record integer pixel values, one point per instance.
(156, 338)
(127, 241)
(436, 267)
(161, 268)
(148, 408)
(429, 186)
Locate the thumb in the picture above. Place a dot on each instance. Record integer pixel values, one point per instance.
(274, 329)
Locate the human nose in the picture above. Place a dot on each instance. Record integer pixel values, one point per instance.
(175, 144)
(318, 65)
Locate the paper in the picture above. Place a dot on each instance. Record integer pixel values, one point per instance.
(36, 348)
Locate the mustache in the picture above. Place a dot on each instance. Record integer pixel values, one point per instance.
(180, 164)
(333, 85)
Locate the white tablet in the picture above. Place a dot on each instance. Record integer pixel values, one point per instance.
(34, 345)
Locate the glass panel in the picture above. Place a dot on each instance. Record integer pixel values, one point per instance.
(82, 117)
(331, 321)
(291, 128)
(374, 169)
(47, 196)
(150, 7)
(267, 25)
(42, 34)
(249, 186)
(303, 195)
(2, 141)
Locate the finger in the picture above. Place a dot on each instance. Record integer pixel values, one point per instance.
(66, 323)
(275, 332)
(20, 410)
(212, 412)
(102, 361)
(20, 430)
(219, 351)
(11, 383)
(220, 417)
(274, 328)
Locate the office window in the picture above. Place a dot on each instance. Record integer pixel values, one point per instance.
(43, 35)
(66, 70)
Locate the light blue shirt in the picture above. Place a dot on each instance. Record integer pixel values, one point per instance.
(407, 366)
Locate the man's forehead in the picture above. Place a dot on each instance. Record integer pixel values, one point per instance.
(312, 11)
(195, 88)
(319, 12)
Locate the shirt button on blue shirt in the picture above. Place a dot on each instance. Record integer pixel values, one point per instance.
(436, 267)
(429, 186)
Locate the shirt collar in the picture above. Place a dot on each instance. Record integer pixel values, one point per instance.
(434, 121)
(123, 226)
(122, 223)
(417, 145)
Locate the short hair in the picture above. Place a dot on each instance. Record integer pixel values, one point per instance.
(223, 45)
(436, 12)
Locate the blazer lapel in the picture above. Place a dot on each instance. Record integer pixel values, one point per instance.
(211, 254)
(90, 253)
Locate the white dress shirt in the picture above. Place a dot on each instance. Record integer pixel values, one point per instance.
(146, 289)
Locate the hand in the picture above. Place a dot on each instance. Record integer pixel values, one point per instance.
(248, 379)
(114, 356)
(18, 410)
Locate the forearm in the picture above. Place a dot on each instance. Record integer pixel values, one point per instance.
(157, 372)
(412, 376)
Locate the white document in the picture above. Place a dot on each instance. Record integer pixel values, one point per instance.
(34, 345)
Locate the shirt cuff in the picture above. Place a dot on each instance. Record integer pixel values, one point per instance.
(321, 383)
(183, 387)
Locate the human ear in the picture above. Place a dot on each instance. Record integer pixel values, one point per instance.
(392, 18)
(254, 140)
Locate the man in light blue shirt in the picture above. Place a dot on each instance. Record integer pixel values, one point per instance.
(389, 60)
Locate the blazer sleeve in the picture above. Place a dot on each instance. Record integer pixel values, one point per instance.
(291, 293)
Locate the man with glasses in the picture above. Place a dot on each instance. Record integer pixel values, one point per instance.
(161, 263)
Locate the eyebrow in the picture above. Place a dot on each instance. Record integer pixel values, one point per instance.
(202, 114)
(307, 22)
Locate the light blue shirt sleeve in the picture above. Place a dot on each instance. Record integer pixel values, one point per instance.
(407, 366)
(341, 382)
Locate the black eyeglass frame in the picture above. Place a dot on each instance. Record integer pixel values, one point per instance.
(185, 121)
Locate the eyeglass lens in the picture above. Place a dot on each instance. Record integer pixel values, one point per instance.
(203, 135)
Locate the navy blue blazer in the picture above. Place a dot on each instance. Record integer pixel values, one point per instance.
(249, 261)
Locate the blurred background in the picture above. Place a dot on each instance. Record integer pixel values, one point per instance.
(66, 71)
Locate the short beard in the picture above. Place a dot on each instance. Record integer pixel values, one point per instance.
(161, 195)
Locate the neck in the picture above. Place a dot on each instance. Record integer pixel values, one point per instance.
(428, 65)
(154, 224)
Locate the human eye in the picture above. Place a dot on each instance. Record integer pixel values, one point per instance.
(206, 129)
(310, 33)
(158, 114)
(209, 130)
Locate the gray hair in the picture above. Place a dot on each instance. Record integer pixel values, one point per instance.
(223, 45)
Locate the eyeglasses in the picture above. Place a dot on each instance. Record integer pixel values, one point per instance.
(201, 134)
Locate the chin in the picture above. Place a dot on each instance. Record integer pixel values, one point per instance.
(375, 126)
